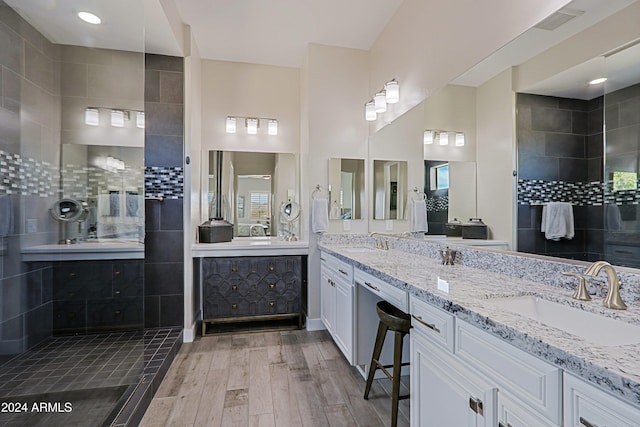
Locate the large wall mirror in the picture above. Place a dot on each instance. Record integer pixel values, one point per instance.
(346, 182)
(389, 189)
(254, 186)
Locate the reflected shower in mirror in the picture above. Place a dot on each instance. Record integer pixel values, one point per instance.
(346, 181)
(254, 186)
(390, 189)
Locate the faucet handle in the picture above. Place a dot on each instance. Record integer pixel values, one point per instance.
(581, 290)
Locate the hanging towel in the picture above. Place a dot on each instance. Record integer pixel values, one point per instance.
(418, 222)
(320, 215)
(557, 221)
(6, 215)
(613, 217)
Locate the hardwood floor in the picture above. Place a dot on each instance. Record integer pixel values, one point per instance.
(289, 378)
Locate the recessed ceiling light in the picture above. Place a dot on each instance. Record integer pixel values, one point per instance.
(598, 81)
(89, 17)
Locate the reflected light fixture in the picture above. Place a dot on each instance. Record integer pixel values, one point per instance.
(231, 125)
(428, 137)
(252, 126)
(444, 138)
(392, 91)
(117, 118)
(459, 139)
(370, 111)
(140, 119)
(598, 81)
(89, 17)
(380, 102)
(91, 116)
(272, 128)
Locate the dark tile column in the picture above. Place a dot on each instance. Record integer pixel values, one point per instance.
(164, 153)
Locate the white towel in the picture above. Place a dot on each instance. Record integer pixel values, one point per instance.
(6, 215)
(418, 222)
(557, 221)
(320, 215)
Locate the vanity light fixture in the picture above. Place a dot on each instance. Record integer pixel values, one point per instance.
(380, 102)
(428, 137)
(392, 91)
(231, 125)
(459, 139)
(117, 118)
(444, 138)
(598, 81)
(370, 111)
(89, 17)
(140, 119)
(252, 126)
(272, 128)
(92, 116)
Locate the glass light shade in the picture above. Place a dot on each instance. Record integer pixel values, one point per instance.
(91, 116)
(252, 126)
(392, 90)
(272, 128)
(89, 17)
(598, 81)
(140, 119)
(370, 111)
(459, 139)
(231, 125)
(117, 118)
(444, 138)
(380, 102)
(428, 137)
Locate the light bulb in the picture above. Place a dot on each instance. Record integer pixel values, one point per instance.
(380, 102)
(252, 126)
(272, 128)
(370, 111)
(428, 137)
(459, 139)
(91, 116)
(231, 125)
(392, 90)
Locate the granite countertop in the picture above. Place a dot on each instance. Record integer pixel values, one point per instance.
(470, 291)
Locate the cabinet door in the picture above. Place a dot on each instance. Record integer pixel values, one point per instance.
(513, 414)
(343, 327)
(444, 393)
(327, 300)
(588, 406)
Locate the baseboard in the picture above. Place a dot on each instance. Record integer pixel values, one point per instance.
(315, 325)
(189, 334)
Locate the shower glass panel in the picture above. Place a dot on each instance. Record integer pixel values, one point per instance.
(71, 312)
(622, 158)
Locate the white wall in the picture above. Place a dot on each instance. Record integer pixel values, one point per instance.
(496, 141)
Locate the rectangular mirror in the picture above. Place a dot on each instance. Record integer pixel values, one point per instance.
(254, 185)
(450, 188)
(346, 182)
(389, 188)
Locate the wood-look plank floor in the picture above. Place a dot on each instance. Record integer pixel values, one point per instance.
(266, 379)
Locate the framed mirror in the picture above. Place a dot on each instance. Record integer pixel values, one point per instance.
(389, 189)
(346, 182)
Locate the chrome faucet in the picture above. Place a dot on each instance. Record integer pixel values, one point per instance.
(613, 298)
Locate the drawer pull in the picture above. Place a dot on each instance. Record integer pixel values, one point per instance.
(234, 269)
(271, 303)
(234, 287)
(371, 286)
(322, 259)
(501, 424)
(117, 273)
(342, 271)
(623, 252)
(272, 285)
(71, 294)
(587, 423)
(72, 274)
(271, 267)
(428, 325)
(117, 292)
(476, 405)
(234, 306)
(117, 312)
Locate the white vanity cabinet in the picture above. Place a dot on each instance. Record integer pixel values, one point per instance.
(587, 406)
(337, 302)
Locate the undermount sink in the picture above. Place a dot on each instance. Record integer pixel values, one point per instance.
(592, 327)
(359, 250)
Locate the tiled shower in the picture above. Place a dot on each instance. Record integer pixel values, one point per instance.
(91, 346)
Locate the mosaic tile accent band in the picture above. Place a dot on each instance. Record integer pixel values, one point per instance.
(26, 176)
(596, 193)
(82, 182)
(166, 182)
(437, 204)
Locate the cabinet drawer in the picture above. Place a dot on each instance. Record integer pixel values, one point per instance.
(341, 267)
(529, 379)
(586, 405)
(388, 292)
(433, 322)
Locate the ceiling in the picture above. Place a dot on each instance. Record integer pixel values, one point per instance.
(277, 32)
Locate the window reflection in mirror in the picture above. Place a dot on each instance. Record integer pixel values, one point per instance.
(390, 189)
(254, 185)
(346, 181)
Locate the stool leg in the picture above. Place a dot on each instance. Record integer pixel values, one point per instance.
(377, 349)
(397, 365)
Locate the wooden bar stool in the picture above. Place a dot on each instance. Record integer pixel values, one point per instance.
(396, 320)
